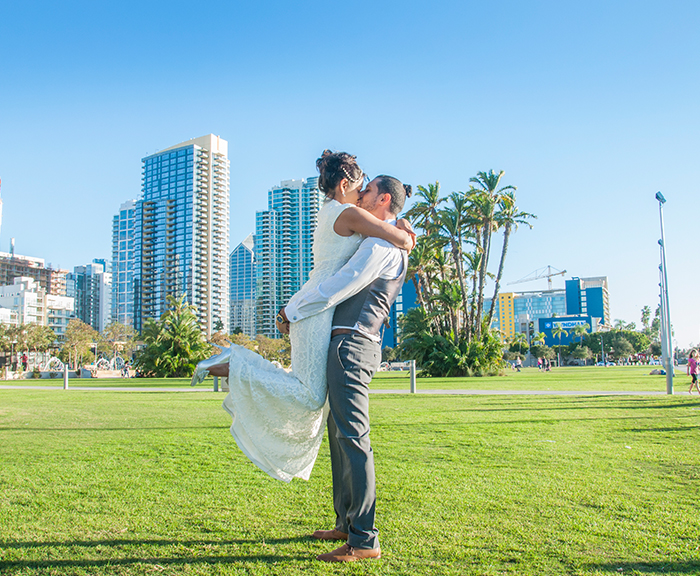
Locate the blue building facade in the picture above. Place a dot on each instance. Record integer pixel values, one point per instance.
(181, 232)
(588, 296)
(123, 228)
(242, 283)
(406, 300)
(568, 324)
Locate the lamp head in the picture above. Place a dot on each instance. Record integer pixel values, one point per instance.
(660, 197)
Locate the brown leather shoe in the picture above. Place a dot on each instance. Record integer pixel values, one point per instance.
(334, 534)
(347, 553)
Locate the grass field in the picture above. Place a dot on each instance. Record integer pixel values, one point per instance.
(107, 482)
(585, 379)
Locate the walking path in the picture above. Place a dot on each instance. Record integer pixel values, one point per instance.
(398, 391)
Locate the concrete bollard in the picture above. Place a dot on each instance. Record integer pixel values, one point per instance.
(65, 377)
(216, 383)
(413, 376)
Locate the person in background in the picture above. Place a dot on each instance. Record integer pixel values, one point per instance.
(692, 370)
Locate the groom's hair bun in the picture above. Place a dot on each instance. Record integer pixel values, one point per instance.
(408, 190)
(333, 167)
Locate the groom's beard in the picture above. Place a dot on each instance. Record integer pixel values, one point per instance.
(365, 205)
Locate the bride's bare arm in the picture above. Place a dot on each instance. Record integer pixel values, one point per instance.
(355, 219)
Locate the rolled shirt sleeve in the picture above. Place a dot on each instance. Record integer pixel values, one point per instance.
(374, 258)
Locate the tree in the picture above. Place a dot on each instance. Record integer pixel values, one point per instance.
(509, 216)
(449, 269)
(274, 349)
(621, 347)
(174, 344)
(646, 316)
(557, 332)
(518, 340)
(581, 352)
(77, 341)
(486, 196)
(120, 339)
(580, 330)
(538, 338)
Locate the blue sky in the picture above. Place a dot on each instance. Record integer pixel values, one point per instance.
(590, 108)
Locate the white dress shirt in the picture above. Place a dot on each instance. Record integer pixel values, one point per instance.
(375, 258)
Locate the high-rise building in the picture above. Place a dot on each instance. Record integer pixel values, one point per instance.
(13, 266)
(123, 227)
(91, 288)
(181, 232)
(589, 296)
(283, 247)
(242, 283)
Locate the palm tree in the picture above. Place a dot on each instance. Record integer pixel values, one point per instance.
(538, 338)
(423, 214)
(509, 216)
(453, 223)
(518, 338)
(174, 344)
(486, 198)
(558, 331)
(449, 297)
(580, 330)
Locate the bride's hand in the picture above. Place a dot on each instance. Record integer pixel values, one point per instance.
(405, 225)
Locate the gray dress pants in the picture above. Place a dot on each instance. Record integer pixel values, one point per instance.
(352, 361)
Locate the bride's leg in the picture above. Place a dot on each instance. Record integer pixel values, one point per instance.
(220, 370)
(216, 366)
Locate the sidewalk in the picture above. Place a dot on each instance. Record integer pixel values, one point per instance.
(402, 391)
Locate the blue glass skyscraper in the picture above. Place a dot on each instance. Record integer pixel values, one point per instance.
(123, 264)
(242, 282)
(182, 232)
(283, 247)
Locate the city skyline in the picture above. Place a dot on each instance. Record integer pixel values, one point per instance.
(589, 111)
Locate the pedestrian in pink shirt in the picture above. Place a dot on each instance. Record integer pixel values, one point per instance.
(693, 371)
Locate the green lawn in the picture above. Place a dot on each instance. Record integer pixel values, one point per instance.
(585, 379)
(107, 483)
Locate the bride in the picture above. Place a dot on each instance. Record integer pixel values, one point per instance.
(279, 416)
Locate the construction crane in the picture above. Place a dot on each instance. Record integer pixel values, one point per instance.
(546, 272)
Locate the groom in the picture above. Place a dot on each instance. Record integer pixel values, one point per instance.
(363, 290)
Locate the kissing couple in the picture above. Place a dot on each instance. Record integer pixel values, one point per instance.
(334, 322)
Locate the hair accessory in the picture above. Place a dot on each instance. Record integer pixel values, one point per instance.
(348, 175)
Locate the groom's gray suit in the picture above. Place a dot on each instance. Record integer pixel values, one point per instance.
(353, 358)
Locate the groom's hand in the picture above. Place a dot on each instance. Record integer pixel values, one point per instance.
(282, 322)
(405, 225)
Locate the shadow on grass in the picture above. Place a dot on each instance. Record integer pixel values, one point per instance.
(670, 567)
(146, 542)
(159, 561)
(101, 429)
(151, 560)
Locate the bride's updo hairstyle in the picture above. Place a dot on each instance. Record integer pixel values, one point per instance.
(333, 167)
(398, 192)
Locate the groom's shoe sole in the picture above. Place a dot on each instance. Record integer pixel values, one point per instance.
(330, 535)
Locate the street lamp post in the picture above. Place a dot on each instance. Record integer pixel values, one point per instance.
(666, 344)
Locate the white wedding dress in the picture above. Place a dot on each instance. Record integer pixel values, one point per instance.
(279, 416)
